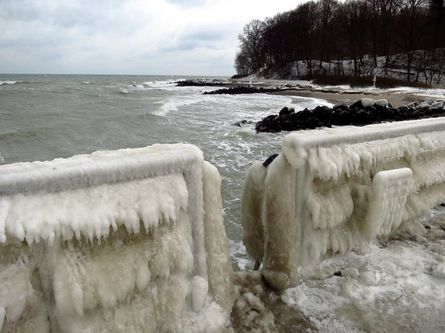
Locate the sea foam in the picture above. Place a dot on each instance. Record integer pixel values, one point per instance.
(7, 82)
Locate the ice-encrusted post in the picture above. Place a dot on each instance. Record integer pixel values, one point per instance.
(193, 178)
(332, 190)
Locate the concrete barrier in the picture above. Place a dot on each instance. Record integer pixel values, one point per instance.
(333, 190)
(119, 241)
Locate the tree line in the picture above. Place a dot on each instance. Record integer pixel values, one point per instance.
(361, 31)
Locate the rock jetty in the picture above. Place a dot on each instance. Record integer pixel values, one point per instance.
(363, 112)
(242, 90)
(202, 83)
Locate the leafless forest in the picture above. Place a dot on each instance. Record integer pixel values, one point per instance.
(402, 39)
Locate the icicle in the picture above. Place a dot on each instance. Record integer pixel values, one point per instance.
(4, 206)
(77, 298)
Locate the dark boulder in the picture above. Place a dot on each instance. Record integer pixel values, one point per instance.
(340, 106)
(286, 111)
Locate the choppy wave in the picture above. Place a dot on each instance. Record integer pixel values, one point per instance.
(254, 107)
(248, 107)
(160, 84)
(7, 82)
(175, 103)
(23, 82)
(22, 135)
(238, 250)
(244, 130)
(229, 102)
(157, 84)
(153, 85)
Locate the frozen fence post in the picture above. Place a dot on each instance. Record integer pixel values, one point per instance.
(387, 199)
(333, 190)
(133, 233)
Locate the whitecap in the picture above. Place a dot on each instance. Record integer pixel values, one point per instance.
(239, 255)
(7, 82)
(154, 85)
(159, 84)
(174, 104)
(254, 107)
(244, 130)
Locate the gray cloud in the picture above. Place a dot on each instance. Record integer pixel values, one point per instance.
(186, 3)
(204, 38)
(118, 36)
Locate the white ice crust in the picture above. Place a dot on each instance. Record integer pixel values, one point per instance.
(118, 241)
(93, 212)
(334, 190)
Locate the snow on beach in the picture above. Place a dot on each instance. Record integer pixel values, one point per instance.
(394, 287)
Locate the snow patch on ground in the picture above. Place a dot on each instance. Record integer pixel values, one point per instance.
(394, 288)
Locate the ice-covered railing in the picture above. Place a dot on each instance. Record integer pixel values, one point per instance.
(333, 190)
(122, 241)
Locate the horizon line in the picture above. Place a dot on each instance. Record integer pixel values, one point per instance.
(209, 75)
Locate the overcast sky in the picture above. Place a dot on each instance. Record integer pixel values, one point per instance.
(126, 36)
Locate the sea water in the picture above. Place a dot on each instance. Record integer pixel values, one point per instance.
(43, 117)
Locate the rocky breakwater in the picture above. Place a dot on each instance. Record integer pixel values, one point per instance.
(232, 87)
(363, 112)
(242, 90)
(203, 83)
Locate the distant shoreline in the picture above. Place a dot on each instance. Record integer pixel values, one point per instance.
(333, 94)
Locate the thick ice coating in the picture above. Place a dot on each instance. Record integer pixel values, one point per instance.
(93, 212)
(334, 190)
(119, 241)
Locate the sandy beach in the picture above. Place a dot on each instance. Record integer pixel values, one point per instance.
(339, 97)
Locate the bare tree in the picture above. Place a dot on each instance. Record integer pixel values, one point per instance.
(326, 12)
(411, 29)
(252, 54)
(355, 16)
